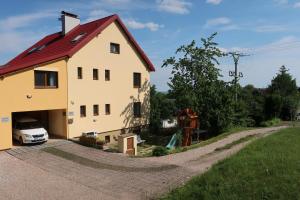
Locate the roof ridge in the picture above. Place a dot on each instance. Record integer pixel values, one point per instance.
(93, 21)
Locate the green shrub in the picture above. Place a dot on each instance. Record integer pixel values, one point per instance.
(87, 141)
(160, 151)
(272, 122)
(91, 142)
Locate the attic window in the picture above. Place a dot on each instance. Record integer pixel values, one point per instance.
(78, 37)
(35, 49)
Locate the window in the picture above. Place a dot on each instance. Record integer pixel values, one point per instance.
(136, 80)
(79, 72)
(107, 139)
(115, 48)
(107, 75)
(82, 111)
(78, 37)
(35, 49)
(45, 79)
(137, 109)
(96, 110)
(107, 109)
(95, 74)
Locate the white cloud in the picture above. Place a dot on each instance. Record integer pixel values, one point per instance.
(15, 33)
(282, 44)
(234, 49)
(297, 5)
(131, 23)
(265, 60)
(97, 14)
(221, 23)
(174, 6)
(214, 2)
(270, 28)
(17, 41)
(217, 22)
(20, 21)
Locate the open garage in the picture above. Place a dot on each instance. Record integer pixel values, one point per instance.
(53, 121)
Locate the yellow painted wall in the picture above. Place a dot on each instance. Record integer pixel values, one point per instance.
(118, 92)
(57, 123)
(14, 89)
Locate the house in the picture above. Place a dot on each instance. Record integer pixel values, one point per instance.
(87, 77)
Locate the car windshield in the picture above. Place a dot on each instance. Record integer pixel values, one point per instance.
(28, 125)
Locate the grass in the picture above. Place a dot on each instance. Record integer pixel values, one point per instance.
(211, 140)
(271, 122)
(268, 168)
(242, 140)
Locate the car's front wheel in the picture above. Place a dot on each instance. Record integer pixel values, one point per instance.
(21, 140)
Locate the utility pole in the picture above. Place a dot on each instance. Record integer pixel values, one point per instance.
(236, 74)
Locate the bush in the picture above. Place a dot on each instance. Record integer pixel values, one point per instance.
(272, 122)
(91, 142)
(87, 141)
(160, 151)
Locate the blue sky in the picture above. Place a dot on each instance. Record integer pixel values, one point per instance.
(269, 30)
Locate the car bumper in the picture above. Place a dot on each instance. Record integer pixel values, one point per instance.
(36, 140)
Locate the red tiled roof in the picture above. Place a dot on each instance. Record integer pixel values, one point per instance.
(58, 46)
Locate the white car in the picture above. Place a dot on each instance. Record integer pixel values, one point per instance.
(29, 131)
(91, 134)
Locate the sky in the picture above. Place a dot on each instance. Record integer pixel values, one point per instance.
(267, 30)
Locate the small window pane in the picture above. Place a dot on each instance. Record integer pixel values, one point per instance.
(107, 75)
(96, 110)
(137, 80)
(82, 111)
(107, 139)
(114, 48)
(79, 72)
(95, 74)
(107, 109)
(52, 79)
(39, 78)
(137, 109)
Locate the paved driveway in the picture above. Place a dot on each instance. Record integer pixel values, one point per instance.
(70, 171)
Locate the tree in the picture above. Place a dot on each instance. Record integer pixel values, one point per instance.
(162, 107)
(283, 99)
(253, 100)
(195, 84)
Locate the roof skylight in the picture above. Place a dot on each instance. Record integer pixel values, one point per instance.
(35, 49)
(78, 37)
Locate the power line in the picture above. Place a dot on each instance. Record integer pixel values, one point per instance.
(236, 74)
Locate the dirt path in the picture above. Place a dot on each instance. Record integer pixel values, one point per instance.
(196, 160)
(71, 171)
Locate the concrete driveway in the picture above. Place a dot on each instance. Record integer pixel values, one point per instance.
(71, 171)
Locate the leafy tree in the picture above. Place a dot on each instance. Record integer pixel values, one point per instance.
(195, 84)
(254, 101)
(162, 107)
(283, 99)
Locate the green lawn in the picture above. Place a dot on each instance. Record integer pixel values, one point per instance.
(268, 168)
